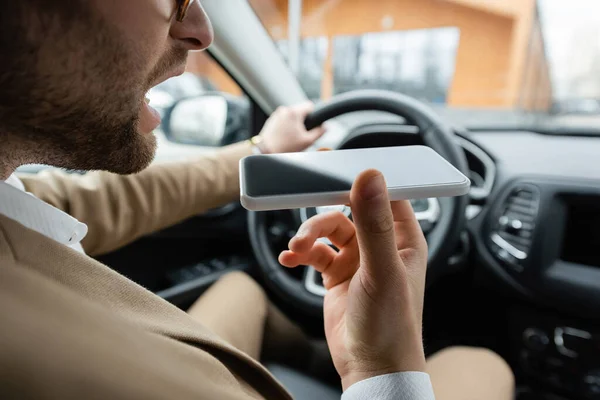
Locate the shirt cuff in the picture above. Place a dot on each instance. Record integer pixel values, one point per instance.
(396, 386)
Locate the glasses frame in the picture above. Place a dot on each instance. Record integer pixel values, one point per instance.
(182, 8)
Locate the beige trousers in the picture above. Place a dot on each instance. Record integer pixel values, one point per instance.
(237, 309)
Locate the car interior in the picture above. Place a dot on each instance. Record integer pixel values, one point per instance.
(514, 266)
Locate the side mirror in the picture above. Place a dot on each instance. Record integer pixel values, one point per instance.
(199, 121)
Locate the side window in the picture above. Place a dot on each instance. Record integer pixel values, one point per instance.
(202, 108)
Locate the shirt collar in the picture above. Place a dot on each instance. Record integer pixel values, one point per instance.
(38, 215)
(15, 182)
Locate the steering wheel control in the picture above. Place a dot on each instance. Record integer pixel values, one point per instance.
(512, 232)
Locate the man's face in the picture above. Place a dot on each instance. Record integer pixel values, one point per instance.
(75, 73)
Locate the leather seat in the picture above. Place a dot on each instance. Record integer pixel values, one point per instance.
(302, 386)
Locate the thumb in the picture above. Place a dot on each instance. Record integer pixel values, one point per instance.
(374, 221)
(303, 109)
(316, 133)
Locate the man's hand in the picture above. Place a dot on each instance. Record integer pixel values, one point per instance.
(284, 131)
(375, 283)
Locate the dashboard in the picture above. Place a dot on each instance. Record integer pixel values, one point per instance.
(533, 226)
(534, 213)
(539, 232)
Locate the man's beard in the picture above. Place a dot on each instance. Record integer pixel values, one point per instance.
(72, 90)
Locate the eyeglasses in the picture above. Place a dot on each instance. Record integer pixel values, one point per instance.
(182, 8)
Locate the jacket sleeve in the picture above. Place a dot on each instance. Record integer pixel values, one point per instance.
(119, 209)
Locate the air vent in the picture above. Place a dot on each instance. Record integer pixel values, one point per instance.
(482, 170)
(512, 233)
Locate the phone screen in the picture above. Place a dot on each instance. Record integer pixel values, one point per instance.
(335, 171)
(272, 176)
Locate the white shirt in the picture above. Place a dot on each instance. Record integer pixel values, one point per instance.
(38, 215)
(49, 221)
(398, 386)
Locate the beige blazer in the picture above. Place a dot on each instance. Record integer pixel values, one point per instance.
(72, 328)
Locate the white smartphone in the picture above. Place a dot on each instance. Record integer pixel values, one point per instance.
(323, 178)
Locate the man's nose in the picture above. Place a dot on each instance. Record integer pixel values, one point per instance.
(195, 32)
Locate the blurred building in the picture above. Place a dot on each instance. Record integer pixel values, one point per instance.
(470, 53)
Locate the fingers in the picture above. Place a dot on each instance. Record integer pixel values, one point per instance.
(319, 256)
(303, 109)
(334, 225)
(316, 133)
(296, 112)
(408, 231)
(305, 249)
(374, 222)
(335, 267)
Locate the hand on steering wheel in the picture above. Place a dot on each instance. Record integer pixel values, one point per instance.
(376, 282)
(285, 131)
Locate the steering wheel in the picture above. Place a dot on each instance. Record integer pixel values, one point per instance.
(270, 231)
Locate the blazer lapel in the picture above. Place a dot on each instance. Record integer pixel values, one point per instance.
(102, 285)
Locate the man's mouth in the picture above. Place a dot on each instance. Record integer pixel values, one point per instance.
(149, 117)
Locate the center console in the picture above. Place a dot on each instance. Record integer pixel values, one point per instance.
(543, 237)
(581, 238)
(557, 354)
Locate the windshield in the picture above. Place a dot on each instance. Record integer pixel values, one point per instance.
(484, 63)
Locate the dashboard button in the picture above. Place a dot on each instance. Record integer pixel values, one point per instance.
(535, 339)
(591, 383)
(570, 342)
